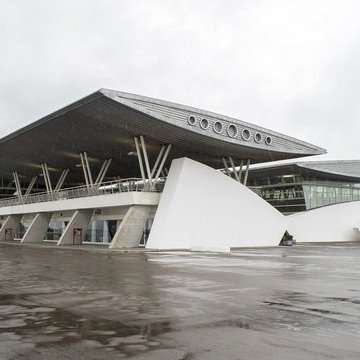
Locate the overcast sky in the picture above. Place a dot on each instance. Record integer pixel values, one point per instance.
(291, 66)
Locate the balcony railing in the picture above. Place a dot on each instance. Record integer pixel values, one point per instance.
(105, 188)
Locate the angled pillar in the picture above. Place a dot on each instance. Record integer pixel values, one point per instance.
(88, 169)
(7, 231)
(17, 184)
(234, 169)
(226, 167)
(165, 156)
(74, 233)
(151, 174)
(61, 180)
(31, 186)
(45, 171)
(104, 168)
(241, 169)
(246, 172)
(37, 229)
(138, 153)
(86, 177)
(131, 228)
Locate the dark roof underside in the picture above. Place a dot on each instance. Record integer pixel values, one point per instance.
(105, 128)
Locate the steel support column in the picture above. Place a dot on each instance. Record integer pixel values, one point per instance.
(241, 169)
(104, 168)
(17, 184)
(31, 186)
(61, 180)
(168, 148)
(47, 179)
(88, 169)
(158, 160)
(84, 170)
(143, 145)
(246, 171)
(233, 168)
(141, 166)
(226, 167)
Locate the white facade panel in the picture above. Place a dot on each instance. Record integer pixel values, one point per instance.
(89, 202)
(201, 208)
(331, 223)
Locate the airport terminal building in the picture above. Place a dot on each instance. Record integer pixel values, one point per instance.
(301, 186)
(123, 170)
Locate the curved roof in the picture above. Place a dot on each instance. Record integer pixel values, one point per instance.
(105, 122)
(346, 170)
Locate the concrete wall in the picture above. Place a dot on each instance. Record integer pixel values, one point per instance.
(9, 224)
(90, 202)
(80, 220)
(131, 228)
(203, 209)
(37, 229)
(326, 224)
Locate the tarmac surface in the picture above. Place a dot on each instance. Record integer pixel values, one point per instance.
(300, 302)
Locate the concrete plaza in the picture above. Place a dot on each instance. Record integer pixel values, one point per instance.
(274, 303)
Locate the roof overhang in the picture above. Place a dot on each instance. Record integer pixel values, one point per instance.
(104, 125)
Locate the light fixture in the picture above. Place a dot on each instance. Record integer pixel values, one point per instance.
(132, 153)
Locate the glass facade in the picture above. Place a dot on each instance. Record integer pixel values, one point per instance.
(291, 198)
(101, 231)
(317, 195)
(287, 198)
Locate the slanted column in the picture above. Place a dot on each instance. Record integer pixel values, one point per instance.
(31, 186)
(17, 184)
(234, 169)
(129, 233)
(246, 172)
(76, 228)
(241, 169)
(45, 171)
(148, 173)
(61, 180)
(104, 168)
(7, 231)
(37, 229)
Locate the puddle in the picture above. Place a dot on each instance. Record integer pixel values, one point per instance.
(40, 326)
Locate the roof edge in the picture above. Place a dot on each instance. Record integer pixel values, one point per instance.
(317, 150)
(51, 116)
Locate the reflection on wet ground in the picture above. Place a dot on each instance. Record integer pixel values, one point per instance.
(255, 303)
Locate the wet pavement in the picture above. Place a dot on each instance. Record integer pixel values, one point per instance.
(299, 302)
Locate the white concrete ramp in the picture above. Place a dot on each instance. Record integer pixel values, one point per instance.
(331, 223)
(203, 209)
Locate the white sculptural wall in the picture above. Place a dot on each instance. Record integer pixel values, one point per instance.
(326, 224)
(203, 209)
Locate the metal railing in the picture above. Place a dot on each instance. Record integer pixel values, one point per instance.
(105, 188)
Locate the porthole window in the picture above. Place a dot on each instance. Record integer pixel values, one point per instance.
(258, 137)
(268, 140)
(218, 127)
(204, 124)
(191, 120)
(232, 130)
(246, 134)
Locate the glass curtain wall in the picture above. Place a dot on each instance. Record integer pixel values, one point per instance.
(321, 195)
(101, 231)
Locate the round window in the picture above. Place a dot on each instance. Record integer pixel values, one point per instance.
(268, 140)
(258, 137)
(246, 134)
(232, 130)
(191, 120)
(218, 127)
(204, 123)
